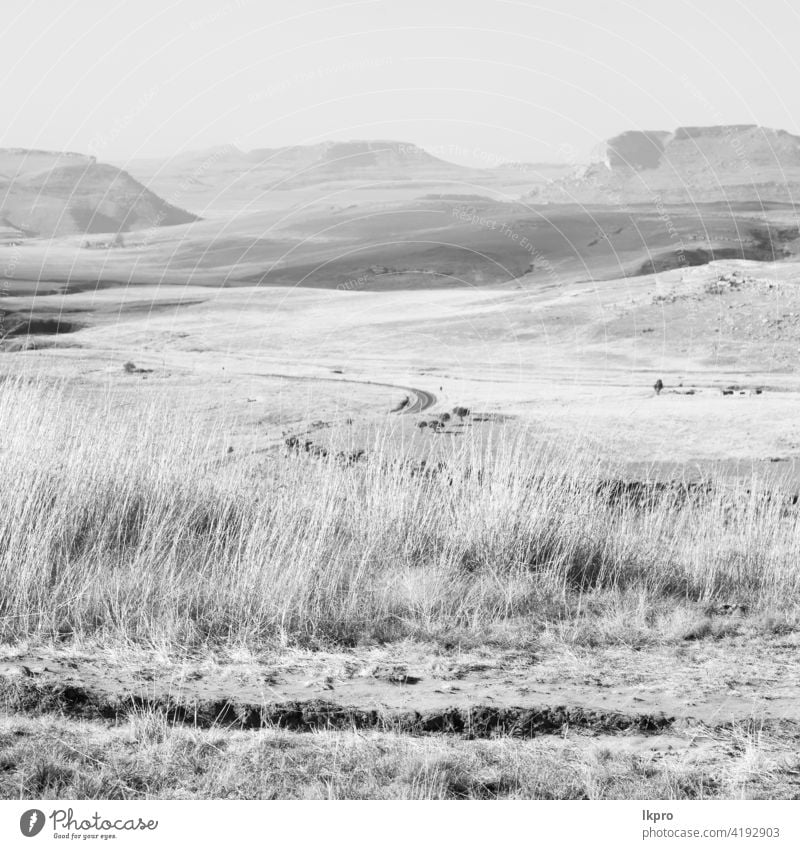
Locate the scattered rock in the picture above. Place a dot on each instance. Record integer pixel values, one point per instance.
(132, 368)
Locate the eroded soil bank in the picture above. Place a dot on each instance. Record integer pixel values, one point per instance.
(715, 683)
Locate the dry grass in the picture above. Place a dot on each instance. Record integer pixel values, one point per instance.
(147, 758)
(124, 525)
(129, 526)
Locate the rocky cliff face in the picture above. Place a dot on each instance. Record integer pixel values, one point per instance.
(741, 162)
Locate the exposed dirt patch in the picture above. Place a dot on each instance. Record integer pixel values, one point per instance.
(714, 683)
(481, 721)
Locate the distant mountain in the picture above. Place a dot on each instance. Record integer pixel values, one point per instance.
(351, 160)
(229, 179)
(49, 194)
(741, 162)
(315, 163)
(232, 179)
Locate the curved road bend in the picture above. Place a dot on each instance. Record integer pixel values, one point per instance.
(419, 400)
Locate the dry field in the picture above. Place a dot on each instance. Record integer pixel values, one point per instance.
(250, 549)
(336, 466)
(496, 618)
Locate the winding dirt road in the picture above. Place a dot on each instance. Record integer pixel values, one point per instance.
(420, 400)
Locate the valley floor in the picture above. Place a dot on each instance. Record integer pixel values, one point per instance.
(574, 360)
(234, 565)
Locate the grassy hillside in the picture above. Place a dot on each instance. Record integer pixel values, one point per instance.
(63, 194)
(124, 525)
(432, 242)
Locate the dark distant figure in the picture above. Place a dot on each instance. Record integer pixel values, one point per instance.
(658, 386)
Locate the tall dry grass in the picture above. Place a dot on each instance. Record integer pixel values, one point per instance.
(125, 524)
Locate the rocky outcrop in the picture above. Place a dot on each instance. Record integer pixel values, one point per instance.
(734, 162)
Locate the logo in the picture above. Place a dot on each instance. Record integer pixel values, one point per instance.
(31, 822)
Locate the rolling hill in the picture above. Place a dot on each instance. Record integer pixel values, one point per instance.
(362, 216)
(430, 243)
(227, 180)
(49, 194)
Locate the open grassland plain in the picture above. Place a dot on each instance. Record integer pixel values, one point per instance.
(500, 617)
(456, 240)
(389, 539)
(563, 360)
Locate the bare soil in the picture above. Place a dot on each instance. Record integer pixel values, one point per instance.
(712, 684)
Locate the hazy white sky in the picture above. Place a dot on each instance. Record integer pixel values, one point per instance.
(473, 80)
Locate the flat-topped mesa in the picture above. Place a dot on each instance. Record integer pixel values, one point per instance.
(52, 194)
(730, 162)
(17, 161)
(636, 149)
(35, 151)
(702, 146)
(331, 157)
(378, 152)
(715, 131)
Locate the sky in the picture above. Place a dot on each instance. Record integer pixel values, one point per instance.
(474, 81)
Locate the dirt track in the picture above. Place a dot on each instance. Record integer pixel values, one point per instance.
(719, 684)
(422, 401)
